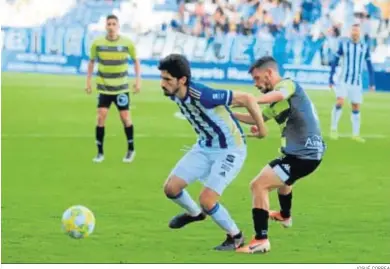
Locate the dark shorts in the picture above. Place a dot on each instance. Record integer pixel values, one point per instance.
(290, 168)
(122, 100)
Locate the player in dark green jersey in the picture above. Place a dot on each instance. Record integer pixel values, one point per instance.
(302, 147)
(112, 53)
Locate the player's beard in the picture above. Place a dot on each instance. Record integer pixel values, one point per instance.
(267, 88)
(356, 39)
(168, 93)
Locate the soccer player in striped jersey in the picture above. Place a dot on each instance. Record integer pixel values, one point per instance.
(301, 151)
(112, 53)
(354, 53)
(219, 153)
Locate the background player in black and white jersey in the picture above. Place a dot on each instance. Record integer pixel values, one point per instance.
(354, 52)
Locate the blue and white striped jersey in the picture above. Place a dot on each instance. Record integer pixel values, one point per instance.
(207, 111)
(353, 56)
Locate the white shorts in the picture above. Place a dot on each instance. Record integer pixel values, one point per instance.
(216, 169)
(353, 92)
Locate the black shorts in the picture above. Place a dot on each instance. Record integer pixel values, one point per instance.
(122, 100)
(289, 168)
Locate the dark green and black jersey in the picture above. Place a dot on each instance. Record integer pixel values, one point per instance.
(298, 121)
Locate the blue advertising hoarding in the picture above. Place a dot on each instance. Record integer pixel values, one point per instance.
(223, 59)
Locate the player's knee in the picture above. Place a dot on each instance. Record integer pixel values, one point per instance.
(171, 189)
(208, 198)
(258, 184)
(355, 108)
(339, 103)
(207, 201)
(285, 190)
(101, 118)
(254, 185)
(127, 122)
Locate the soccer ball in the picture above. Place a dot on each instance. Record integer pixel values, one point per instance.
(78, 221)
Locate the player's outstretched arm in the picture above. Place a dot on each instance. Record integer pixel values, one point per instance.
(272, 97)
(250, 103)
(283, 90)
(244, 118)
(247, 118)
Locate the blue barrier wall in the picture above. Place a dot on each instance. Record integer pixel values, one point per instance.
(225, 59)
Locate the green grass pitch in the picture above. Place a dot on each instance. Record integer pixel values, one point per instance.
(341, 212)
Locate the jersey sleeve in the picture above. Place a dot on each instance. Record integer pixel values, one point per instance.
(132, 50)
(93, 52)
(286, 87)
(268, 113)
(211, 98)
(275, 110)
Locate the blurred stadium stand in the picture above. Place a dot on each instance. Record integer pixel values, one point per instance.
(265, 19)
(296, 24)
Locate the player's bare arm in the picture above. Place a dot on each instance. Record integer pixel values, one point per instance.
(272, 97)
(91, 65)
(244, 118)
(137, 71)
(250, 103)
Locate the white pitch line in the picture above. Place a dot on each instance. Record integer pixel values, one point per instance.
(141, 135)
(378, 136)
(145, 135)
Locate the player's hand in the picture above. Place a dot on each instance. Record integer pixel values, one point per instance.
(331, 86)
(88, 88)
(254, 132)
(372, 88)
(137, 87)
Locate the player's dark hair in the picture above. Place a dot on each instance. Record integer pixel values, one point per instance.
(112, 16)
(177, 65)
(265, 61)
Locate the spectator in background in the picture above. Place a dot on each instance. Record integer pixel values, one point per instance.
(298, 21)
(220, 20)
(329, 47)
(232, 29)
(311, 10)
(384, 6)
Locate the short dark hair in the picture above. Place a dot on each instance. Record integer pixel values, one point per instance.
(356, 25)
(112, 16)
(177, 65)
(265, 61)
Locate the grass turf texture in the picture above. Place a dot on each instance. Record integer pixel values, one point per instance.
(340, 212)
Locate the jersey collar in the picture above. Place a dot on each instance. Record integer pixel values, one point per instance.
(119, 37)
